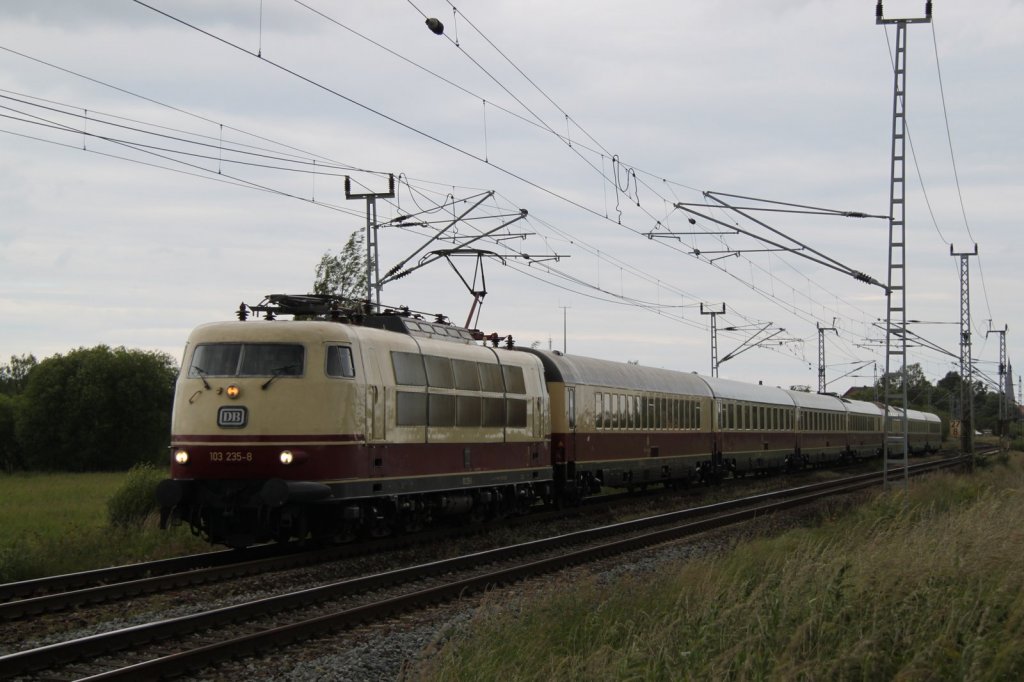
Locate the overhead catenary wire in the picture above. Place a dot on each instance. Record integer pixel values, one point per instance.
(387, 117)
(635, 171)
(617, 166)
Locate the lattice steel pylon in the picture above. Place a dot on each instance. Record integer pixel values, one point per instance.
(966, 367)
(714, 335)
(822, 384)
(373, 283)
(896, 290)
(1005, 399)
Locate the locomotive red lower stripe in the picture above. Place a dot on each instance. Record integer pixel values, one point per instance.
(269, 438)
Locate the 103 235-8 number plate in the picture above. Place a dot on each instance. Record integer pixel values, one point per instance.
(231, 456)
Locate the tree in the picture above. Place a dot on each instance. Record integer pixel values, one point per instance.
(10, 453)
(96, 409)
(919, 389)
(343, 274)
(14, 376)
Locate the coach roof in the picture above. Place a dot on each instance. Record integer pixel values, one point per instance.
(573, 369)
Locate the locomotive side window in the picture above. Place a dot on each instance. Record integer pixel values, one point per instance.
(339, 362)
(441, 410)
(466, 376)
(514, 381)
(494, 411)
(411, 409)
(408, 369)
(516, 411)
(490, 378)
(439, 372)
(467, 410)
(247, 359)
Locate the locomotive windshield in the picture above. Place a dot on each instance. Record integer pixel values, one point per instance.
(246, 360)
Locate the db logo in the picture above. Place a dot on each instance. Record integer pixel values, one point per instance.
(233, 417)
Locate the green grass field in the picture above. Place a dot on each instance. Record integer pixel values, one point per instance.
(57, 523)
(928, 588)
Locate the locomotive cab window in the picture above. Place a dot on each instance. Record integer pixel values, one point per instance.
(339, 362)
(246, 360)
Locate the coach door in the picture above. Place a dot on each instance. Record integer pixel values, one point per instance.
(570, 413)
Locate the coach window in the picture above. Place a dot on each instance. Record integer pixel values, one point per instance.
(696, 415)
(408, 369)
(339, 362)
(598, 413)
(570, 406)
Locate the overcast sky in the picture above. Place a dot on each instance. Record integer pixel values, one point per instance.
(155, 174)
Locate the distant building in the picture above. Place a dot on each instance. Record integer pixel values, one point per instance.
(854, 390)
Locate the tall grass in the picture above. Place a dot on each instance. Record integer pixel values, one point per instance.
(919, 589)
(60, 523)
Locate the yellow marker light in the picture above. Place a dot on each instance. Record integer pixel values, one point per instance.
(286, 457)
(181, 457)
(233, 391)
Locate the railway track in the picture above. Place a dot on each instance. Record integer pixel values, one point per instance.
(88, 588)
(179, 645)
(59, 593)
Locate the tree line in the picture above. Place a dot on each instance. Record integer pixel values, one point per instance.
(943, 398)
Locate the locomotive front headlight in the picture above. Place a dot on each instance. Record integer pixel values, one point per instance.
(233, 391)
(286, 457)
(181, 456)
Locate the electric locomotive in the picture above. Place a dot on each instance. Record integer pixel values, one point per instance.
(286, 428)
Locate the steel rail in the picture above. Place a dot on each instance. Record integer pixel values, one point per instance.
(51, 656)
(58, 593)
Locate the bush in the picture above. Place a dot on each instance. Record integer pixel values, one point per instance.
(96, 409)
(135, 500)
